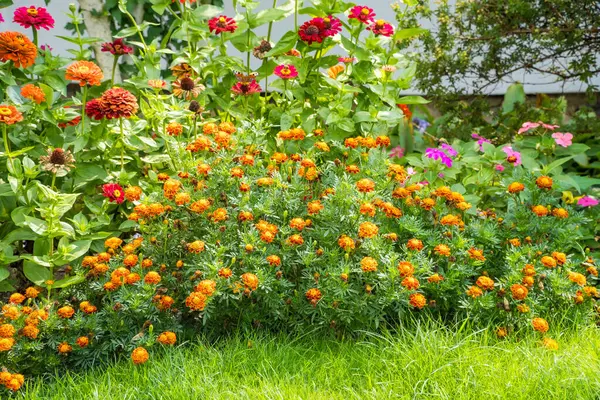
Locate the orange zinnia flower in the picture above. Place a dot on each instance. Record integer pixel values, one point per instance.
(10, 115)
(16, 47)
(86, 72)
(33, 93)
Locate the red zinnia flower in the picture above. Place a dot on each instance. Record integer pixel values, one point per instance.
(33, 17)
(286, 71)
(94, 109)
(363, 14)
(118, 103)
(246, 88)
(312, 31)
(117, 47)
(113, 192)
(222, 24)
(380, 27)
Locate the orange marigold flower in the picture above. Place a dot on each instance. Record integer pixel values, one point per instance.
(167, 338)
(16, 47)
(428, 204)
(152, 278)
(516, 187)
(414, 244)
(367, 209)
(245, 216)
(10, 312)
(451, 220)
(519, 292)
(30, 331)
(210, 128)
(314, 207)
(219, 215)
(523, 308)
(405, 268)
(528, 281)
(139, 355)
(368, 264)
(33, 93)
(591, 291)
(174, 128)
(548, 262)
(550, 344)
(207, 287)
(16, 298)
(544, 182)
(560, 258)
(132, 278)
(485, 283)
(6, 344)
(64, 348)
(171, 187)
(577, 278)
(417, 300)
(501, 332)
(225, 273)
(540, 325)
(196, 247)
(298, 223)
(200, 206)
(66, 312)
(82, 341)
(476, 254)
(182, 198)
(112, 243)
(165, 302)
(86, 72)
(296, 240)
(435, 278)
(365, 185)
(560, 213)
(352, 169)
(474, 292)
(367, 230)
(250, 280)
(274, 260)
(227, 127)
(9, 115)
(442, 250)
(410, 283)
(515, 242)
(131, 260)
(313, 295)
(540, 210)
(346, 243)
(7, 331)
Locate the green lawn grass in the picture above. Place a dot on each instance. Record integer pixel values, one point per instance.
(427, 362)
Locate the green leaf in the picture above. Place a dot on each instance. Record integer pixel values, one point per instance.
(5, 286)
(412, 100)
(68, 281)
(285, 44)
(36, 273)
(266, 16)
(409, 33)
(4, 273)
(207, 11)
(555, 163)
(514, 94)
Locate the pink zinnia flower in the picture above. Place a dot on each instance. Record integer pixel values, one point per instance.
(246, 88)
(499, 167)
(286, 71)
(1, 18)
(113, 192)
(363, 14)
(563, 139)
(587, 201)
(222, 24)
(346, 60)
(397, 151)
(480, 140)
(512, 156)
(332, 26)
(32, 17)
(117, 48)
(380, 27)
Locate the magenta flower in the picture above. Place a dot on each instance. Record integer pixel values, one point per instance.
(332, 26)
(363, 14)
(1, 18)
(117, 48)
(397, 151)
(438, 154)
(246, 88)
(46, 47)
(587, 201)
(563, 139)
(32, 17)
(449, 150)
(346, 60)
(286, 71)
(480, 140)
(499, 167)
(380, 27)
(512, 156)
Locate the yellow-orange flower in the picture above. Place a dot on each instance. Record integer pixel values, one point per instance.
(544, 182)
(417, 300)
(474, 292)
(540, 210)
(368, 264)
(167, 338)
(540, 325)
(414, 244)
(10, 115)
(519, 292)
(367, 230)
(16, 47)
(410, 283)
(548, 262)
(33, 93)
(485, 283)
(65, 348)
(250, 280)
(65, 312)
(7, 331)
(516, 187)
(152, 278)
(550, 344)
(442, 250)
(139, 355)
(476, 254)
(207, 287)
(82, 341)
(365, 185)
(196, 247)
(313, 295)
(86, 72)
(577, 278)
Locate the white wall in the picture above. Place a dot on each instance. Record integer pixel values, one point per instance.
(533, 82)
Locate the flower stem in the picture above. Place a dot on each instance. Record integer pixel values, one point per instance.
(53, 181)
(248, 44)
(7, 145)
(296, 16)
(266, 58)
(83, 101)
(35, 36)
(114, 69)
(122, 144)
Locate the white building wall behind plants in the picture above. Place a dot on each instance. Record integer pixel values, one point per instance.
(533, 82)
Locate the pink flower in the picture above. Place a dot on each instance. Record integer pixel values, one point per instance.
(380, 27)
(397, 151)
(113, 192)
(332, 26)
(527, 126)
(512, 156)
(587, 201)
(222, 24)
(286, 71)
(346, 60)
(410, 171)
(563, 139)
(246, 88)
(117, 48)
(46, 47)
(499, 167)
(363, 14)
(1, 18)
(32, 17)
(480, 140)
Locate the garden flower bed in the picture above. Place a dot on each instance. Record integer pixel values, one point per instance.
(203, 198)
